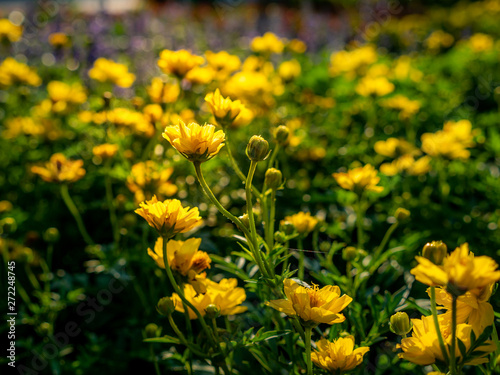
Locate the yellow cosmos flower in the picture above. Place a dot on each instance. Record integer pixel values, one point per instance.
(289, 70)
(62, 95)
(195, 142)
(423, 347)
(222, 63)
(200, 75)
(178, 62)
(105, 151)
(224, 109)
(9, 31)
(169, 217)
(59, 40)
(226, 295)
(105, 70)
(185, 258)
(59, 169)
(268, 43)
(303, 222)
(359, 179)
(352, 62)
(149, 178)
(374, 86)
(472, 307)
(338, 355)
(163, 92)
(451, 142)
(13, 72)
(461, 271)
(311, 304)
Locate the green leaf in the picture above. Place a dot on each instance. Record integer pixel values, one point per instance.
(165, 340)
(463, 349)
(264, 336)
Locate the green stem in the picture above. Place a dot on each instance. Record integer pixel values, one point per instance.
(32, 278)
(155, 360)
(273, 156)
(112, 210)
(453, 366)
(436, 324)
(183, 339)
(386, 238)
(308, 350)
(286, 252)
(74, 211)
(301, 258)
(272, 214)
(359, 222)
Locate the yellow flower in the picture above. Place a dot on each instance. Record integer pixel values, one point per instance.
(5, 206)
(451, 142)
(394, 147)
(13, 72)
(423, 347)
(268, 43)
(226, 295)
(224, 109)
(352, 62)
(169, 217)
(472, 307)
(244, 118)
(296, 46)
(407, 163)
(178, 62)
(149, 178)
(59, 40)
(311, 304)
(185, 258)
(223, 63)
(338, 355)
(439, 39)
(163, 92)
(481, 42)
(289, 70)
(105, 151)
(303, 222)
(407, 107)
(359, 179)
(59, 169)
(461, 271)
(153, 112)
(105, 70)
(62, 95)
(195, 142)
(9, 31)
(376, 86)
(200, 75)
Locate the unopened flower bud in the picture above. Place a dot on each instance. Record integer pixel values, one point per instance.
(212, 311)
(244, 219)
(287, 227)
(280, 237)
(349, 253)
(435, 251)
(8, 225)
(401, 214)
(51, 235)
(273, 178)
(166, 306)
(45, 328)
(152, 330)
(26, 255)
(281, 134)
(400, 324)
(257, 148)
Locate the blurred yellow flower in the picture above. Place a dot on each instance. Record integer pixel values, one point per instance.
(374, 86)
(105, 151)
(395, 147)
(423, 347)
(178, 62)
(195, 142)
(352, 62)
(244, 118)
(451, 142)
(169, 217)
(359, 179)
(163, 92)
(338, 355)
(222, 63)
(303, 222)
(407, 107)
(224, 110)
(481, 42)
(289, 70)
(311, 304)
(461, 271)
(185, 258)
(62, 95)
(59, 40)
(13, 72)
(226, 295)
(22, 125)
(296, 46)
(127, 120)
(9, 31)
(61, 170)
(153, 112)
(200, 75)
(439, 39)
(105, 70)
(5, 206)
(253, 86)
(268, 43)
(407, 163)
(150, 178)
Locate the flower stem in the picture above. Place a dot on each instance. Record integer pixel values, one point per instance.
(436, 324)
(183, 339)
(453, 367)
(359, 222)
(272, 214)
(112, 210)
(273, 156)
(386, 238)
(155, 360)
(308, 350)
(300, 245)
(74, 211)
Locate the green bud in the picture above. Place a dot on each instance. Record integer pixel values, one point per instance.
(244, 219)
(26, 255)
(166, 306)
(325, 246)
(212, 311)
(280, 237)
(400, 324)
(401, 214)
(273, 178)
(152, 330)
(257, 148)
(45, 328)
(349, 253)
(8, 225)
(435, 251)
(281, 134)
(51, 235)
(287, 227)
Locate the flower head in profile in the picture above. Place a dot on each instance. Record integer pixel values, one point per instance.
(185, 258)
(105, 70)
(59, 40)
(59, 169)
(338, 355)
(311, 304)
(179, 62)
(10, 31)
(169, 217)
(163, 92)
(197, 143)
(303, 222)
(224, 110)
(359, 179)
(460, 272)
(452, 142)
(423, 347)
(225, 295)
(14, 72)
